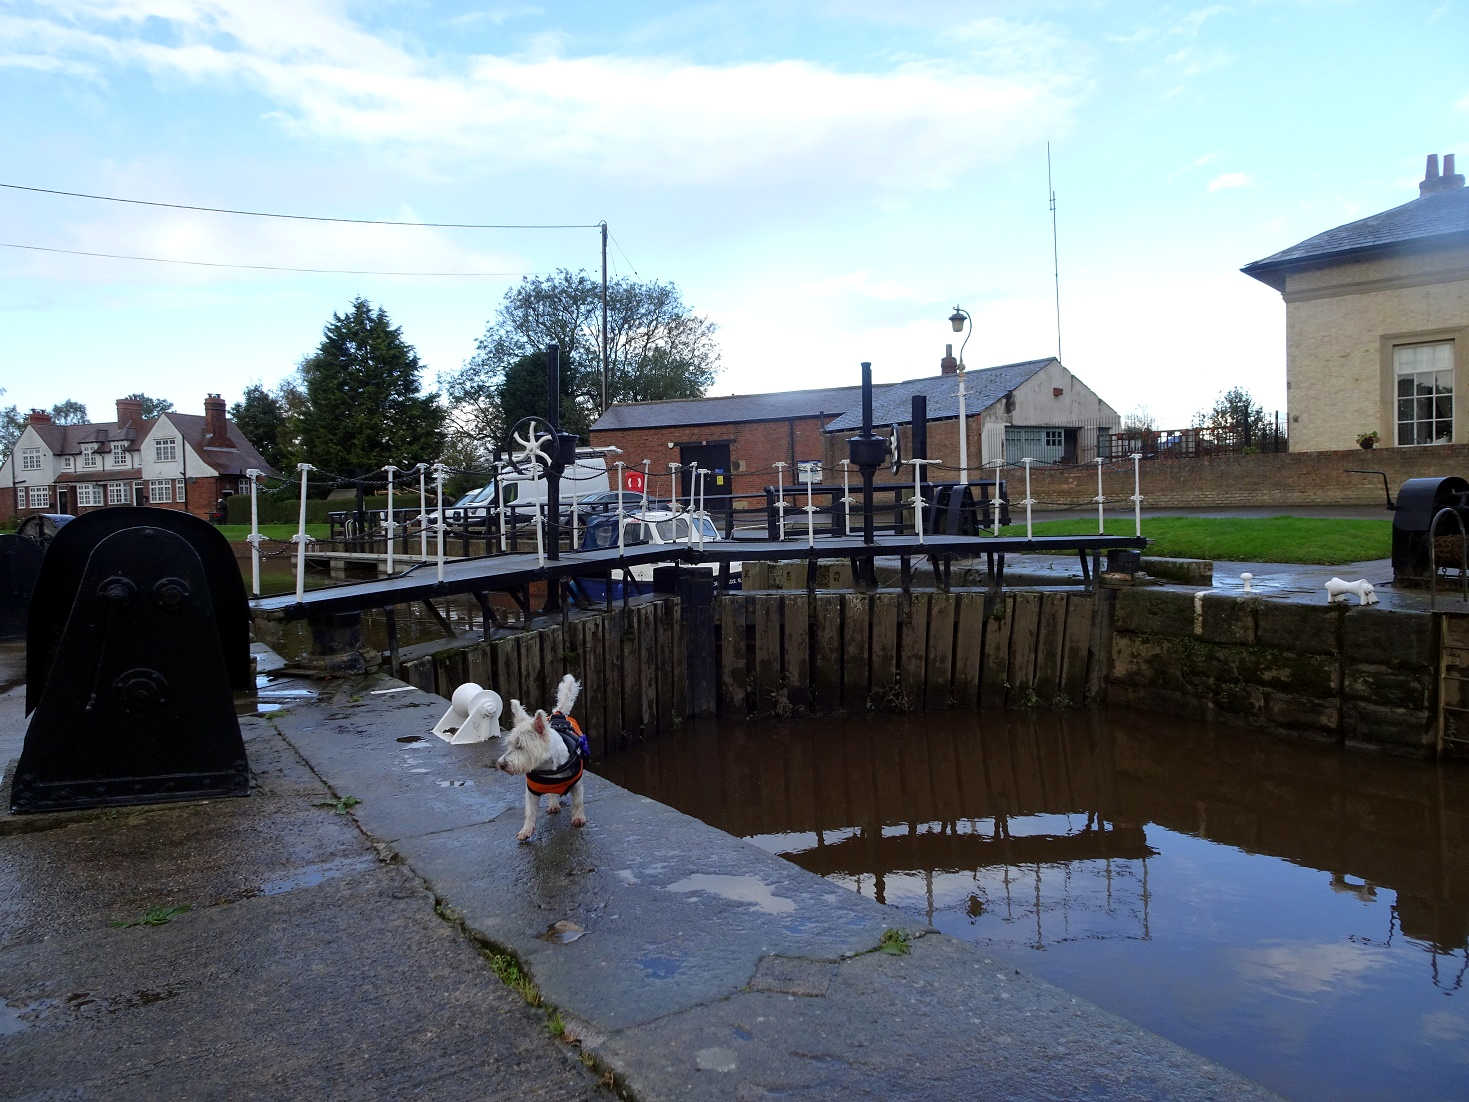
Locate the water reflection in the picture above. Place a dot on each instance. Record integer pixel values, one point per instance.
(1294, 911)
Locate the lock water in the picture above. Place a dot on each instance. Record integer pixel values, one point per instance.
(1296, 912)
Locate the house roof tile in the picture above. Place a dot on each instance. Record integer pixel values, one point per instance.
(1438, 218)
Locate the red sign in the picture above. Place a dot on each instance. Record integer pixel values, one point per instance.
(632, 481)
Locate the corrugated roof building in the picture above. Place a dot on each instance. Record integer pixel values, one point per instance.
(1035, 408)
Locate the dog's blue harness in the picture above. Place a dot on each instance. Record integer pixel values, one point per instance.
(559, 781)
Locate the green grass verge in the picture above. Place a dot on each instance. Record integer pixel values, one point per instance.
(237, 532)
(1324, 540)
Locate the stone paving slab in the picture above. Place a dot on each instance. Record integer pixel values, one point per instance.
(303, 966)
(700, 966)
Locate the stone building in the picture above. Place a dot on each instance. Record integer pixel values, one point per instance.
(1377, 322)
(173, 461)
(1036, 408)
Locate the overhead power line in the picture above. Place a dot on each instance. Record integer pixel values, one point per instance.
(310, 217)
(260, 267)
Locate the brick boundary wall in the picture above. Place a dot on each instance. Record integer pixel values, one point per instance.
(1282, 479)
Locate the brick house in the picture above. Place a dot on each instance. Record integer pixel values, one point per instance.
(174, 461)
(1036, 408)
(1377, 322)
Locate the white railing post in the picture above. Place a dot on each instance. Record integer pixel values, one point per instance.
(1028, 501)
(847, 493)
(300, 538)
(699, 513)
(918, 465)
(995, 519)
(439, 525)
(500, 494)
(540, 541)
(574, 495)
(619, 465)
(422, 468)
(780, 497)
(254, 538)
(1101, 525)
(810, 512)
(391, 527)
(647, 466)
(693, 486)
(1137, 492)
(673, 469)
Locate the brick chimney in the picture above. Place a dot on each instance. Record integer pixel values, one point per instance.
(1433, 183)
(128, 411)
(38, 417)
(948, 365)
(215, 433)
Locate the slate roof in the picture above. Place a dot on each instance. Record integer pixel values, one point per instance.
(735, 408)
(235, 459)
(892, 403)
(1439, 218)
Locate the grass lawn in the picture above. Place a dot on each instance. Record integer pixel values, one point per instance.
(236, 533)
(1242, 539)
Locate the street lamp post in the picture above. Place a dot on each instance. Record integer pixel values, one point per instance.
(958, 319)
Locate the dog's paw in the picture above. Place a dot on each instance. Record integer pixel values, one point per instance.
(578, 821)
(553, 808)
(524, 835)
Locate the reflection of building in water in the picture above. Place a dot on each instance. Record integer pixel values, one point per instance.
(1067, 875)
(1037, 818)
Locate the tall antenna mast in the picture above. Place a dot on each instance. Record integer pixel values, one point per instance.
(1055, 254)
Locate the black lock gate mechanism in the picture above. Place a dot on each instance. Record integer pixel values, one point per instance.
(137, 640)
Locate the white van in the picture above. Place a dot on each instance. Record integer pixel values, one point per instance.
(587, 476)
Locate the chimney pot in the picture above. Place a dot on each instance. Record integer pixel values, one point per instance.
(128, 409)
(1433, 182)
(38, 417)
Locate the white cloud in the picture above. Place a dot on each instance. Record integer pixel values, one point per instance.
(915, 125)
(1306, 970)
(1228, 180)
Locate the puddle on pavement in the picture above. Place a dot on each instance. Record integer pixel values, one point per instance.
(411, 738)
(1294, 911)
(271, 694)
(311, 875)
(740, 889)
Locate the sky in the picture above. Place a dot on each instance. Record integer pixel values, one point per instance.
(824, 181)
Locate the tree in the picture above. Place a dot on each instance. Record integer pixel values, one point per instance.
(69, 412)
(1139, 419)
(260, 416)
(1236, 414)
(362, 407)
(12, 424)
(656, 349)
(152, 407)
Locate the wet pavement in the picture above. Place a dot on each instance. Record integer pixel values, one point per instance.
(336, 950)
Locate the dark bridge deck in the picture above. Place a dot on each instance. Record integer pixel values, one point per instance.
(508, 572)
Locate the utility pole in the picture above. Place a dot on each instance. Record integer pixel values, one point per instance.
(1055, 254)
(605, 378)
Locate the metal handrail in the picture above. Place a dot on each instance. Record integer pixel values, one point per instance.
(1433, 555)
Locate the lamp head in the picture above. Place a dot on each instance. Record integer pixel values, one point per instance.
(957, 319)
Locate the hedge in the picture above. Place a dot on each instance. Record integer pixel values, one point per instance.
(279, 509)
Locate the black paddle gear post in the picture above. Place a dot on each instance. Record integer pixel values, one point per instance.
(137, 640)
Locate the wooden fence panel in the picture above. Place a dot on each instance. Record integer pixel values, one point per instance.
(856, 665)
(734, 683)
(826, 672)
(767, 651)
(1050, 635)
(1027, 613)
(796, 672)
(969, 649)
(884, 670)
(939, 665)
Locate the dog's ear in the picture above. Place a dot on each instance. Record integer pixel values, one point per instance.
(542, 724)
(518, 712)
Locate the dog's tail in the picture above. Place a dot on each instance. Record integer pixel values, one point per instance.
(566, 694)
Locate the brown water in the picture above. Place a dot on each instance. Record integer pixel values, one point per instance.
(1298, 913)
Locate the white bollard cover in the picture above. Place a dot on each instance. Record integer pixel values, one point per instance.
(473, 715)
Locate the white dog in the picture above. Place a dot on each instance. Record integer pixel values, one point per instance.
(551, 753)
(1337, 590)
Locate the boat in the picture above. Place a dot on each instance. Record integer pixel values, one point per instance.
(641, 527)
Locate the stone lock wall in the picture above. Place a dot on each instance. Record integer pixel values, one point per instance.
(1361, 676)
